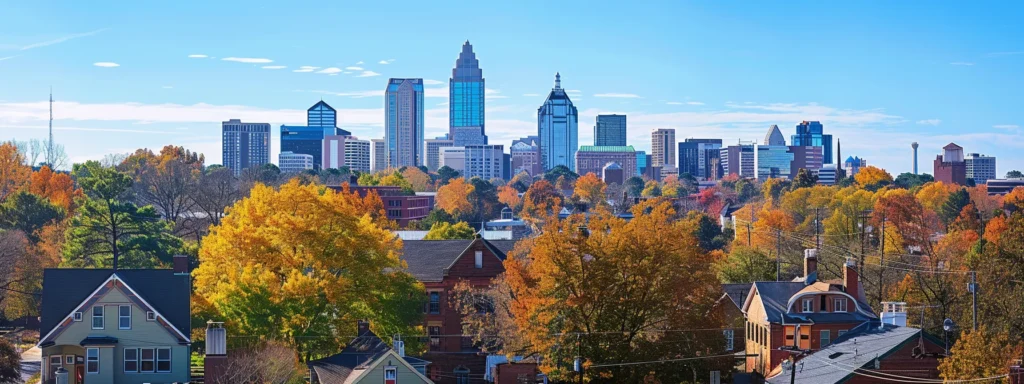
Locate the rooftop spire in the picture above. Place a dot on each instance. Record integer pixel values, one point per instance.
(558, 80)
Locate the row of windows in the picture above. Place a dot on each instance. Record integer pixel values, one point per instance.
(124, 317)
(839, 304)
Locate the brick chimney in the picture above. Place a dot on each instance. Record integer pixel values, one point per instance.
(851, 279)
(216, 359)
(362, 327)
(810, 261)
(181, 265)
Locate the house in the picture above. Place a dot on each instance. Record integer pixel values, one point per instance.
(117, 326)
(729, 309)
(367, 359)
(786, 317)
(440, 265)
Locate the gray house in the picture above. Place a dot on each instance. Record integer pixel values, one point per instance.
(124, 326)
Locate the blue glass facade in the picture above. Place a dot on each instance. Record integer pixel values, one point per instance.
(321, 120)
(466, 94)
(403, 123)
(321, 115)
(773, 161)
(811, 134)
(641, 162)
(557, 126)
(610, 130)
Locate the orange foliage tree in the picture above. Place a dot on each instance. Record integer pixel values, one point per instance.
(13, 171)
(509, 196)
(56, 187)
(454, 197)
(591, 189)
(872, 177)
(541, 200)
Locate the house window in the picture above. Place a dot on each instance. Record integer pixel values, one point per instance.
(435, 337)
(78, 316)
(150, 316)
(390, 375)
(728, 333)
(826, 338)
(163, 360)
(124, 317)
(131, 360)
(146, 359)
(435, 302)
(839, 305)
(461, 375)
(69, 360)
(807, 305)
(97, 317)
(54, 362)
(92, 360)
(479, 259)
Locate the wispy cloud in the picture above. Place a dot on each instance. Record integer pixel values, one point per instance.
(432, 82)
(8, 57)
(306, 68)
(248, 60)
(694, 103)
(932, 122)
(1008, 53)
(61, 39)
(197, 56)
(368, 74)
(274, 67)
(168, 87)
(330, 71)
(385, 62)
(573, 91)
(618, 95)
(106, 64)
(493, 94)
(1008, 127)
(354, 68)
(962, 63)
(673, 103)
(360, 62)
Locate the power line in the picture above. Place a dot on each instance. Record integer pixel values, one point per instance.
(659, 361)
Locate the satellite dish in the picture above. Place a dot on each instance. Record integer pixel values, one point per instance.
(948, 325)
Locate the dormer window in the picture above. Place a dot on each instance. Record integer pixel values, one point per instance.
(807, 305)
(839, 305)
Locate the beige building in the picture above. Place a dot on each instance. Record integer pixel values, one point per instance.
(663, 150)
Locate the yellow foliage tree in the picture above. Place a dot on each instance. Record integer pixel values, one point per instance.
(454, 197)
(419, 180)
(591, 189)
(872, 177)
(13, 171)
(510, 197)
(979, 354)
(445, 231)
(934, 194)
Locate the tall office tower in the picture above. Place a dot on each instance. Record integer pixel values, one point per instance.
(466, 94)
(610, 130)
(695, 158)
(245, 145)
(403, 122)
(290, 162)
(950, 167)
(774, 136)
(808, 158)
(333, 152)
(322, 115)
(434, 151)
(914, 145)
(357, 154)
(525, 154)
(641, 162)
(468, 136)
(811, 134)
(309, 139)
(593, 159)
(663, 150)
(379, 154)
(558, 130)
(981, 168)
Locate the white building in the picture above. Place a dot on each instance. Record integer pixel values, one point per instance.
(827, 175)
(483, 161)
(379, 154)
(357, 154)
(434, 151)
(333, 155)
(291, 162)
(981, 168)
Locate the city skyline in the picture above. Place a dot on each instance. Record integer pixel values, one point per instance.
(871, 92)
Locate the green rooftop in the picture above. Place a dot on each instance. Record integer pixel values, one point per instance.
(616, 148)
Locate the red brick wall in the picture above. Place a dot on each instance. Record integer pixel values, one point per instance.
(509, 373)
(903, 363)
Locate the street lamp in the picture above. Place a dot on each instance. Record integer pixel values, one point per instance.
(947, 326)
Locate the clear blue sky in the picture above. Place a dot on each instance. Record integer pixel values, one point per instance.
(879, 75)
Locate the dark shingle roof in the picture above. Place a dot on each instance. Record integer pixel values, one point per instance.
(775, 296)
(66, 288)
(427, 259)
(737, 292)
(358, 354)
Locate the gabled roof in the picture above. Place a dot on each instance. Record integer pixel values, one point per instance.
(737, 293)
(775, 297)
(428, 260)
(64, 289)
(952, 146)
(361, 353)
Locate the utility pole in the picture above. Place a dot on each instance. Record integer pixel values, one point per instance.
(881, 262)
(817, 235)
(778, 255)
(974, 297)
(792, 358)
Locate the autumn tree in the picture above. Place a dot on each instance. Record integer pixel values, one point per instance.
(804, 179)
(979, 354)
(953, 205)
(165, 180)
(57, 187)
(613, 293)
(454, 197)
(28, 213)
(521, 181)
(446, 231)
(418, 180)
(302, 264)
(13, 171)
(13, 249)
(746, 265)
(872, 178)
(484, 198)
(510, 197)
(635, 186)
(487, 315)
(590, 189)
(560, 171)
(446, 174)
(216, 189)
(933, 195)
(651, 189)
(541, 200)
(10, 362)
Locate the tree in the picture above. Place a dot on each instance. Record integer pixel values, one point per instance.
(166, 180)
(952, 207)
(216, 190)
(708, 233)
(541, 201)
(269, 363)
(651, 189)
(933, 195)
(484, 198)
(804, 179)
(772, 190)
(13, 250)
(13, 171)
(591, 190)
(909, 180)
(635, 186)
(28, 213)
(981, 353)
(453, 197)
(56, 187)
(445, 231)
(1014, 174)
(418, 180)
(510, 197)
(435, 216)
(614, 283)
(560, 171)
(109, 231)
(267, 174)
(745, 190)
(746, 265)
(10, 363)
(445, 174)
(521, 181)
(872, 178)
(302, 264)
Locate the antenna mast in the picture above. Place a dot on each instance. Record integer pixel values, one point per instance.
(49, 144)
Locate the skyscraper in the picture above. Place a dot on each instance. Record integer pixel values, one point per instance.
(403, 122)
(357, 154)
(378, 155)
(322, 115)
(434, 151)
(696, 155)
(811, 134)
(333, 152)
(466, 95)
(321, 121)
(981, 168)
(245, 145)
(558, 129)
(774, 136)
(610, 130)
(663, 150)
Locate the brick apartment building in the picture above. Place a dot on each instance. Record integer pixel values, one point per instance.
(399, 207)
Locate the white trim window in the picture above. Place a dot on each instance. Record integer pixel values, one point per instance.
(97, 317)
(839, 304)
(729, 335)
(163, 360)
(390, 375)
(807, 305)
(131, 360)
(77, 316)
(92, 360)
(54, 362)
(147, 360)
(124, 317)
(69, 359)
(826, 338)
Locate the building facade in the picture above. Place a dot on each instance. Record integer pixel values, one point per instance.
(853, 164)
(772, 161)
(739, 160)
(663, 150)
(980, 168)
(401, 208)
(306, 140)
(950, 167)
(525, 154)
(322, 115)
(483, 161)
(244, 145)
(357, 154)
(557, 126)
(291, 162)
(468, 136)
(434, 152)
(699, 158)
(809, 158)
(466, 95)
(403, 123)
(378, 155)
(827, 175)
(613, 173)
(774, 136)
(811, 134)
(610, 131)
(593, 159)
(333, 152)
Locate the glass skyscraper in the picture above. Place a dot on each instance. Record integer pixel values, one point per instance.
(403, 123)
(610, 130)
(322, 115)
(321, 120)
(245, 145)
(772, 161)
(466, 95)
(697, 157)
(558, 129)
(811, 134)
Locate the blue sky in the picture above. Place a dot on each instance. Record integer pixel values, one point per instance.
(879, 75)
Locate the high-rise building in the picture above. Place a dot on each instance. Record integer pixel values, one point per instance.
(357, 154)
(593, 159)
(333, 152)
(290, 162)
(526, 156)
(378, 155)
(774, 136)
(773, 161)
(468, 136)
(403, 122)
(557, 127)
(434, 151)
(981, 168)
(739, 160)
(696, 158)
(466, 94)
(642, 160)
(321, 121)
(610, 130)
(483, 161)
(811, 134)
(853, 164)
(663, 150)
(245, 145)
(950, 167)
(809, 158)
(322, 115)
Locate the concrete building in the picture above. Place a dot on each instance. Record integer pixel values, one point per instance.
(699, 158)
(378, 155)
(950, 167)
(1003, 186)
(525, 154)
(333, 152)
(809, 158)
(613, 173)
(827, 175)
(774, 136)
(663, 150)
(981, 168)
(357, 154)
(610, 130)
(291, 162)
(466, 98)
(739, 160)
(468, 136)
(811, 134)
(434, 151)
(244, 145)
(853, 164)
(557, 126)
(593, 159)
(483, 161)
(403, 123)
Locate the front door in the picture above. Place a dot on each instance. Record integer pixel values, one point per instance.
(79, 373)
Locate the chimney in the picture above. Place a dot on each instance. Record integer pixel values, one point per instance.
(810, 261)
(399, 345)
(216, 360)
(894, 313)
(362, 326)
(180, 265)
(851, 282)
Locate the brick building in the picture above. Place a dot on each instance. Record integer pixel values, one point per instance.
(950, 167)
(399, 206)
